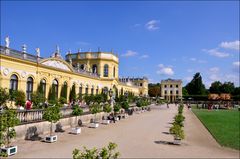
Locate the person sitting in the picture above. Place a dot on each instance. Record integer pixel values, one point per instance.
(28, 105)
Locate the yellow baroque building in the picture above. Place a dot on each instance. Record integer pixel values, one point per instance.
(91, 72)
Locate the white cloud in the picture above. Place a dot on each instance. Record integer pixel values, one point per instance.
(152, 25)
(215, 52)
(165, 70)
(189, 70)
(231, 45)
(214, 70)
(236, 64)
(82, 43)
(193, 59)
(129, 53)
(144, 56)
(214, 77)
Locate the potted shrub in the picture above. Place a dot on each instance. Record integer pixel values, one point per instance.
(178, 119)
(107, 109)
(76, 112)
(178, 134)
(94, 109)
(52, 114)
(116, 109)
(8, 120)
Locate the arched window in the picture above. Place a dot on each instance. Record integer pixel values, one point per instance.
(86, 90)
(13, 83)
(92, 90)
(55, 88)
(94, 68)
(105, 90)
(82, 67)
(114, 71)
(29, 89)
(43, 87)
(97, 90)
(80, 89)
(105, 71)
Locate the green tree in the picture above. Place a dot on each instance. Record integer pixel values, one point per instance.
(215, 87)
(4, 96)
(8, 120)
(184, 92)
(227, 87)
(64, 91)
(52, 94)
(154, 90)
(38, 97)
(94, 109)
(196, 87)
(52, 115)
(72, 96)
(20, 98)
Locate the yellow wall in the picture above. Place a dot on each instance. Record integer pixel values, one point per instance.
(24, 69)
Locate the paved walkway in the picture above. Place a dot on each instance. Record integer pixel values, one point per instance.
(139, 136)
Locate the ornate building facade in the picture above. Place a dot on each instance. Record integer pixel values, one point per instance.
(91, 72)
(171, 89)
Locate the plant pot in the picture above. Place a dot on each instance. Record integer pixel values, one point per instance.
(116, 118)
(9, 150)
(94, 125)
(106, 122)
(76, 130)
(177, 141)
(51, 139)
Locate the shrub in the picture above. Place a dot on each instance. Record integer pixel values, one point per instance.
(4, 96)
(8, 121)
(38, 99)
(77, 110)
(104, 153)
(125, 105)
(72, 95)
(52, 114)
(177, 131)
(62, 100)
(116, 108)
(107, 108)
(94, 109)
(20, 98)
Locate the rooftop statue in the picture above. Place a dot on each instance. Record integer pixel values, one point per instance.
(24, 48)
(7, 41)
(37, 51)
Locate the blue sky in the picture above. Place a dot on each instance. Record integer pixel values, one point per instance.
(156, 39)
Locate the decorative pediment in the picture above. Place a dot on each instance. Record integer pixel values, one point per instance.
(57, 63)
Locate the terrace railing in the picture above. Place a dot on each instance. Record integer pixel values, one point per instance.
(36, 115)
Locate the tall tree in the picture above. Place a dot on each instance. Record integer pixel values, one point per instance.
(215, 87)
(72, 96)
(227, 87)
(64, 91)
(196, 87)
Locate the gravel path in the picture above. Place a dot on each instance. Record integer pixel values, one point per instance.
(142, 135)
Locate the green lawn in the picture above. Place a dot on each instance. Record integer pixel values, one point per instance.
(222, 124)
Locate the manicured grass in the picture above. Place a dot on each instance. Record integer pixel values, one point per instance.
(222, 124)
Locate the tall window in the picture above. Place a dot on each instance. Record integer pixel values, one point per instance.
(165, 92)
(105, 71)
(43, 86)
(176, 91)
(55, 87)
(80, 89)
(170, 86)
(94, 68)
(170, 92)
(114, 71)
(92, 89)
(97, 91)
(176, 86)
(13, 83)
(86, 90)
(29, 89)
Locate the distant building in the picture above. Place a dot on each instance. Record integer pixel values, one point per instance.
(171, 89)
